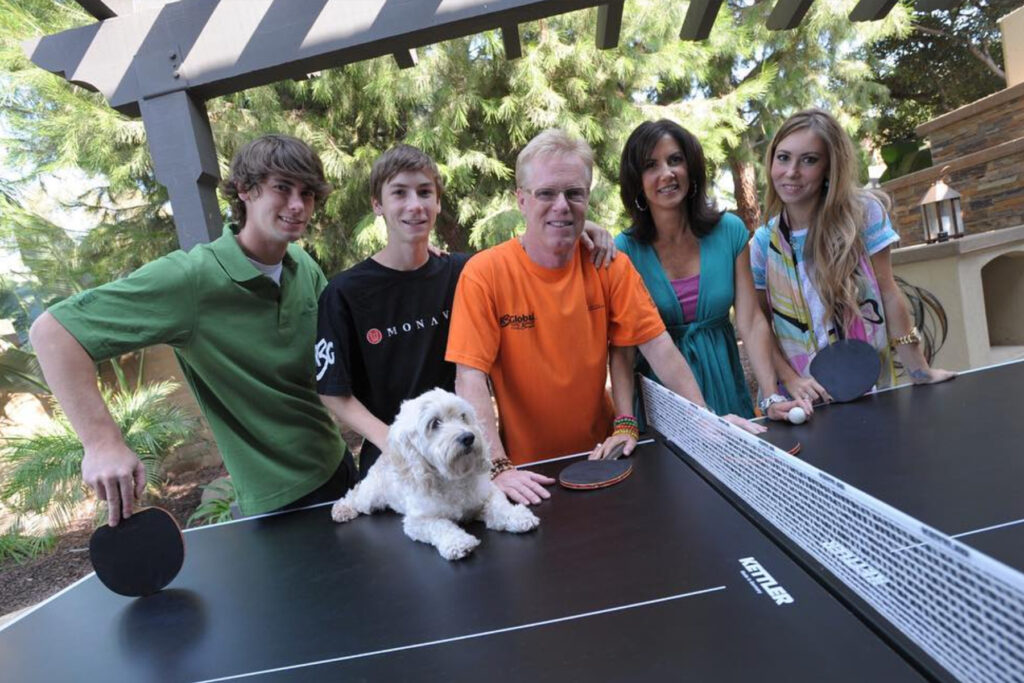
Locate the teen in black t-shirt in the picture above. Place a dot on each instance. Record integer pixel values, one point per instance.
(383, 333)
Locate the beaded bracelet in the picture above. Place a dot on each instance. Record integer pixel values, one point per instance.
(627, 425)
(501, 465)
(631, 432)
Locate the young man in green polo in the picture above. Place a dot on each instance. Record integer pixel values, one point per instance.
(241, 315)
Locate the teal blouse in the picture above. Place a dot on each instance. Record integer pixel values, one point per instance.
(709, 342)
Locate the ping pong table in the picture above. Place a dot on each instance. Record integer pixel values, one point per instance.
(950, 454)
(660, 577)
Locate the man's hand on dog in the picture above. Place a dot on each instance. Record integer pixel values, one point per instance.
(523, 486)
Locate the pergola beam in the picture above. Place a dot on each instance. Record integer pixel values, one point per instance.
(510, 39)
(406, 59)
(700, 17)
(105, 9)
(871, 10)
(230, 45)
(609, 24)
(185, 162)
(930, 5)
(787, 14)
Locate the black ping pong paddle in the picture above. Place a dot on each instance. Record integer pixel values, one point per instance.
(847, 369)
(139, 556)
(594, 474)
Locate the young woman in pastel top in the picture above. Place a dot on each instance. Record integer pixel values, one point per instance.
(821, 264)
(694, 261)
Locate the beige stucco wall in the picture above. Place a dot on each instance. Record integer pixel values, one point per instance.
(955, 273)
(1012, 26)
(1005, 314)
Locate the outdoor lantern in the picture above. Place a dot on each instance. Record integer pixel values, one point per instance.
(940, 212)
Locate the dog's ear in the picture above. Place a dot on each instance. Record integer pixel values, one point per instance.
(406, 440)
(401, 437)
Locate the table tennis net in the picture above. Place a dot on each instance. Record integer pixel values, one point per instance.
(961, 607)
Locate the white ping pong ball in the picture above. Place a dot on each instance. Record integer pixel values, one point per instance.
(797, 415)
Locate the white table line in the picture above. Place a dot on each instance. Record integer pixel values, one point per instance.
(469, 636)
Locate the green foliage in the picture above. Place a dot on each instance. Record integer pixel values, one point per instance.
(943, 60)
(903, 157)
(216, 509)
(20, 372)
(18, 548)
(57, 266)
(755, 78)
(52, 126)
(43, 471)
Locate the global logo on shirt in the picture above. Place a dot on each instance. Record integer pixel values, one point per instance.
(374, 336)
(522, 321)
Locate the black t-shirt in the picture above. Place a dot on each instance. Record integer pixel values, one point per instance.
(382, 335)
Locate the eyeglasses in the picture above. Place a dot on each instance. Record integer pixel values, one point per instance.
(549, 195)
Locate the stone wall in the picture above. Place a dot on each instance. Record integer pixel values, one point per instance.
(979, 125)
(980, 147)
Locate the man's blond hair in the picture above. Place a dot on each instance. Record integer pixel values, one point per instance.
(554, 142)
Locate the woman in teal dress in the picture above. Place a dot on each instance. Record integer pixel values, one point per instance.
(694, 261)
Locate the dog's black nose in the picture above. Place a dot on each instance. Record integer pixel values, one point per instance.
(466, 439)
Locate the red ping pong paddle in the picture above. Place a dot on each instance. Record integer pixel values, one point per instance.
(847, 369)
(139, 556)
(791, 446)
(594, 474)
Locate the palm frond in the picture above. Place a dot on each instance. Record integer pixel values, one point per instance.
(44, 469)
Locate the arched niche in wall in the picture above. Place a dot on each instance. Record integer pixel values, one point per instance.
(1002, 281)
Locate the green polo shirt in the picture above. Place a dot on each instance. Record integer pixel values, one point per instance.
(245, 346)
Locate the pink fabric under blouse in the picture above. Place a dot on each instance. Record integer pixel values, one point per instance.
(686, 290)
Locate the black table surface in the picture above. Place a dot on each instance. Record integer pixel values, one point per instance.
(639, 581)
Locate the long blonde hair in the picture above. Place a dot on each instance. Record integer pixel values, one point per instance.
(833, 246)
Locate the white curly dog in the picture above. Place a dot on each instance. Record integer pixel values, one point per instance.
(435, 470)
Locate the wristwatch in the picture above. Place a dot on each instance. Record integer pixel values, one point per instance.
(768, 401)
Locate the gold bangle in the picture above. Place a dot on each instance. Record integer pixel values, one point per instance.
(501, 465)
(912, 337)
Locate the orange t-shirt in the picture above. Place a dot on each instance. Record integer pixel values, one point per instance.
(542, 334)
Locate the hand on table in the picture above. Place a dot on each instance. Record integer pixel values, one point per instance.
(807, 388)
(604, 450)
(523, 486)
(746, 425)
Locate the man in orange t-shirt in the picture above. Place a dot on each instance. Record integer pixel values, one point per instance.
(537, 318)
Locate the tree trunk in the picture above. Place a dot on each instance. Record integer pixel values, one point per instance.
(744, 181)
(453, 237)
